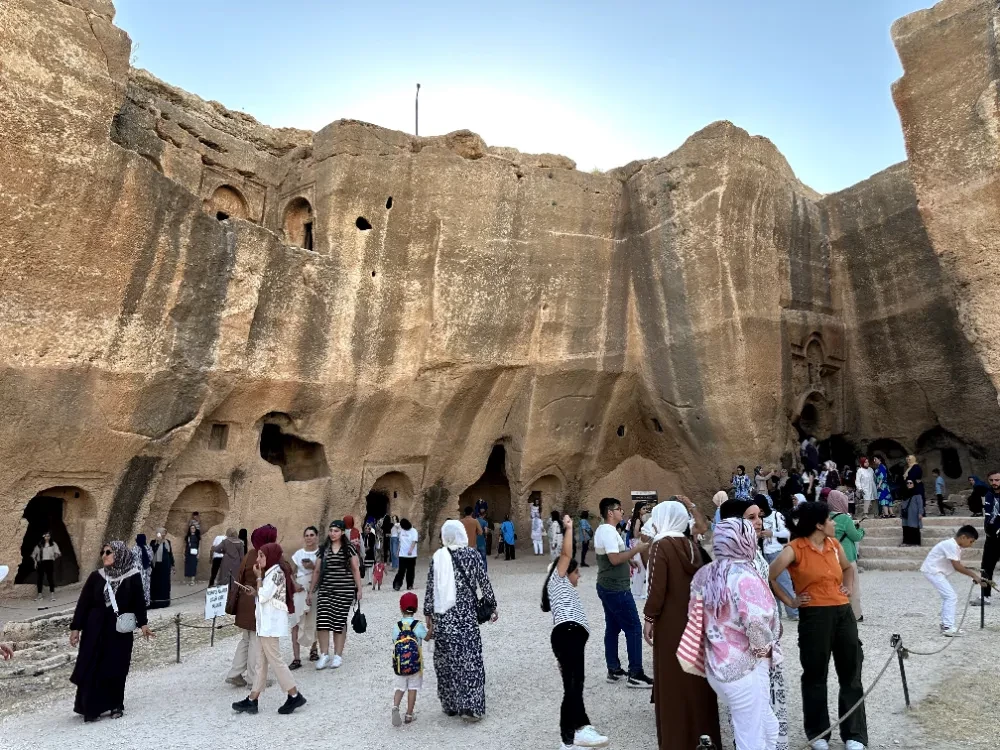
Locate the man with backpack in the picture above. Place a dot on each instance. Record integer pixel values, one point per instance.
(408, 635)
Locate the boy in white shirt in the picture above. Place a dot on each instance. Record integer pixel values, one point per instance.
(943, 560)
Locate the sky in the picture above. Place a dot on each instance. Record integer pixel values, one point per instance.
(599, 81)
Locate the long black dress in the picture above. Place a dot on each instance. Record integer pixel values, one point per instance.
(105, 655)
(159, 582)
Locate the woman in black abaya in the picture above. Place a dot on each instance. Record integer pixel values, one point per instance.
(163, 565)
(105, 655)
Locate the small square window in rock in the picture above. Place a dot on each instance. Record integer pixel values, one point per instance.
(219, 437)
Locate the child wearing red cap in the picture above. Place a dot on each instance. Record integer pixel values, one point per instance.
(407, 659)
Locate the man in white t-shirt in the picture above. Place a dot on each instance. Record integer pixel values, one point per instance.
(943, 560)
(216, 558)
(408, 538)
(614, 591)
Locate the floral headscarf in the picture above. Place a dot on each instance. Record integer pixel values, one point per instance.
(123, 567)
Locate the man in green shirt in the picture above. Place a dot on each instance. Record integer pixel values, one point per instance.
(614, 591)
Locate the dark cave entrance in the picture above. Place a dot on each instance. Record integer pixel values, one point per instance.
(492, 487)
(299, 460)
(46, 514)
(376, 505)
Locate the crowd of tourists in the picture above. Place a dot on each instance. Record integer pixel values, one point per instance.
(783, 544)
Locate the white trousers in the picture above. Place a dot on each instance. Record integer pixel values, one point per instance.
(537, 543)
(948, 597)
(749, 699)
(245, 660)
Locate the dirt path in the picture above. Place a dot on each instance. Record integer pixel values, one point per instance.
(523, 687)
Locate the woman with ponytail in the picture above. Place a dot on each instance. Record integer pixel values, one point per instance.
(569, 639)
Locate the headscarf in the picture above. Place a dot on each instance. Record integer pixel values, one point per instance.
(824, 494)
(352, 533)
(140, 544)
(762, 501)
(263, 535)
(734, 544)
(243, 538)
(231, 534)
(669, 519)
(719, 498)
(272, 555)
(977, 482)
(837, 501)
(863, 462)
(453, 537)
(122, 568)
(799, 498)
(734, 509)
(830, 465)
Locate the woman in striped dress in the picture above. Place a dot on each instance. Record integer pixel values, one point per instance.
(336, 584)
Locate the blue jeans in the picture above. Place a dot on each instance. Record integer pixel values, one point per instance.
(620, 615)
(481, 549)
(394, 551)
(785, 581)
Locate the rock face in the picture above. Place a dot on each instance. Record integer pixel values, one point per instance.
(272, 325)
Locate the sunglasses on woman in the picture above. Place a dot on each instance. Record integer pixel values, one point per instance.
(107, 552)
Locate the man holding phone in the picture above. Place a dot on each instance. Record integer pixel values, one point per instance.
(614, 591)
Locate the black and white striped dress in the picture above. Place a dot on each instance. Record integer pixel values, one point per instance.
(336, 591)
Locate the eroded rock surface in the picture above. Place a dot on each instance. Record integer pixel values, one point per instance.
(200, 312)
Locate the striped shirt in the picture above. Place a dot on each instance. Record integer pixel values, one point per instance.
(565, 602)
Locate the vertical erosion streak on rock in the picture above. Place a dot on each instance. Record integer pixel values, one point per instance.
(130, 496)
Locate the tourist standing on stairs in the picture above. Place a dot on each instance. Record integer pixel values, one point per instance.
(912, 515)
(991, 523)
(882, 490)
(613, 589)
(864, 481)
(742, 486)
(45, 554)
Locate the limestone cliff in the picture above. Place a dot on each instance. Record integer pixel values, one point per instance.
(200, 312)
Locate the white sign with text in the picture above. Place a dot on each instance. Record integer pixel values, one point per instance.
(215, 601)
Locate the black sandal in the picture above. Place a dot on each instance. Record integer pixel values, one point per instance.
(117, 713)
(296, 664)
(314, 654)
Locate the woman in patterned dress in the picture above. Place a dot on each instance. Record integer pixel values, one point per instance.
(882, 490)
(337, 584)
(455, 573)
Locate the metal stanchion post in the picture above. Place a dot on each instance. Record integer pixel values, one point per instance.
(897, 643)
(213, 633)
(177, 624)
(982, 601)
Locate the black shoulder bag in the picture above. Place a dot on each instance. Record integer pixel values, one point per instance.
(484, 608)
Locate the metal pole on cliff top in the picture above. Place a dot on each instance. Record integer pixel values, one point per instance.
(416, 112)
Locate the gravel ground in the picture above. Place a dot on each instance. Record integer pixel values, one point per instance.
(523, 687)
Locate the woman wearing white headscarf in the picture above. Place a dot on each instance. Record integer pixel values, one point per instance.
(456, 573)
(686, 706)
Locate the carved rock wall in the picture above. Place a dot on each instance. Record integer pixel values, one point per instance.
(199, 311)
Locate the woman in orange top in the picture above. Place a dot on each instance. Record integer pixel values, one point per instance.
(823, 577)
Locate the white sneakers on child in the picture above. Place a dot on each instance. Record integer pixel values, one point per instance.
(324, 661)
(952, 633)
(853, 745)
(820, 745)
(337, 661)
(589, 737)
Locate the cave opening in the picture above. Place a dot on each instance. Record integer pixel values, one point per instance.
(492, 487)
(363, 224)
(45, 514)
(299, 460)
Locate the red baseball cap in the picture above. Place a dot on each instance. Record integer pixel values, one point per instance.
(408, 602)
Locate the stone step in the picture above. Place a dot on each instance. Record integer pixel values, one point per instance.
(930, 537)
(915, 553)
(875, 563)
(943, 521)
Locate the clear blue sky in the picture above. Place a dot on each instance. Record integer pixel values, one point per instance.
(602, 82)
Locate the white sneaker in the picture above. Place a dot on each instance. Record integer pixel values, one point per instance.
(853, 745)
(324, 661)
(564, 746)
(820, 745)
(952, 633)
(589, 737)
(337, 661)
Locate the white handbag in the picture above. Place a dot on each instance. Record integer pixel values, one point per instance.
(125, 623)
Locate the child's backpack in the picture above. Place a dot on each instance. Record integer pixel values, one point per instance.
(406, 650)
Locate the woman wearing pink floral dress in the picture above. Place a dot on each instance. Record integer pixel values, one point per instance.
(742, 634)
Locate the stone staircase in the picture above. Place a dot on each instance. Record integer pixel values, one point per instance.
(880, 549)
